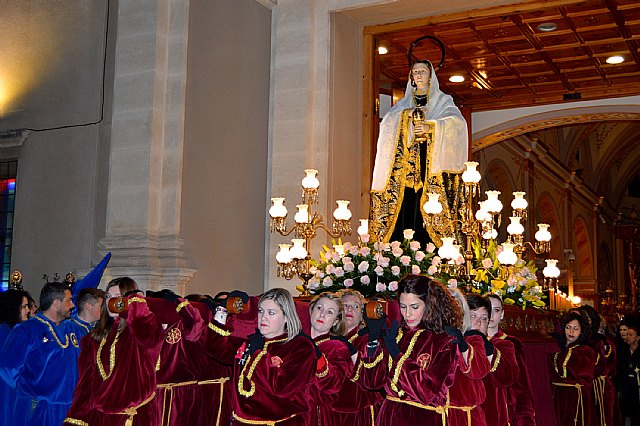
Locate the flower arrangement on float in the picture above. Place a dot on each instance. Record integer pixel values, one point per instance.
(374, 269)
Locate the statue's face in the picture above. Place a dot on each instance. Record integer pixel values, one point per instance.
(421, 75)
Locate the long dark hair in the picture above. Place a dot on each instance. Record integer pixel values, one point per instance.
(441, 311)
(11, 306)
(585, 331)
(104, 324)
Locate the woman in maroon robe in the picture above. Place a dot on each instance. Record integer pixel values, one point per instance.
(416, 364)
(519, 396)
(273, 368)
(467, 393)
(605, 398)
(117, 363)
(355, 405)
(573, 371)
(502, 358)
(327, 331)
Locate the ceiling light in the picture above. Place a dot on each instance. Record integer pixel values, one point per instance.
(382, 50)
(546, 27)
(615, 60)
(456, 78)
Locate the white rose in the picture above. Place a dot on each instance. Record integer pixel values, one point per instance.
(363, 266)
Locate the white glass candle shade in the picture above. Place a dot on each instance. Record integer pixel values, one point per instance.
(342, 212)
(507, 256)
(543, 234)
(471, 175)
(298, 251)
(310, 181)
(302, 216)
(433, 206)
(278, 208)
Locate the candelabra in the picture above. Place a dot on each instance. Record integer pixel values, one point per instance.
(481, 225)
(295, 259)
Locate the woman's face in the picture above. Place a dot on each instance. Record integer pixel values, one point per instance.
(24, 309)
(623, 331)
(113, 292)
(324, 315)
(421, 75)
(412, 309)
(479, 320)
(496, 313)
(352, 311)
(572, 331)
(270, 319)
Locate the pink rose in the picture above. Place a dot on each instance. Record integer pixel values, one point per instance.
(397, 252)
(436, 261)
(363, 266)
(414, 245)
(365, 251)
(408, 234)
(380, 287)
(339, 272)
(365, 238)
(353, 250)
(330, 269)
(415, 270)
(349, 266)
(395, 245)
(459, 260)
(379, 270)
(393, 286)
(383, 261)
(395, 270)
(348, 282)
(487, 263)
(432, 270)
(420, 256)
(430, 247)
(365, 279)
(405, 260)
(327, 282)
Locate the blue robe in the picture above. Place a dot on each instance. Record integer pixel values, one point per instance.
(39, 359)
(79, 326)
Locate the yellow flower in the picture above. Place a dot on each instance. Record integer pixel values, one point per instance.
(497, 284)
(508, 301)
(481, 275)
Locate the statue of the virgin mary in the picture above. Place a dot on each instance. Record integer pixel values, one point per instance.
(422, 147)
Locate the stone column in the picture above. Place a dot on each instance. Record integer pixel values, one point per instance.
(145, 170)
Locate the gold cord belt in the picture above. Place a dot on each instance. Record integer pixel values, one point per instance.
(261, 422)
(579, 405)
(466, 410)
(132, 411)
(598, 392)
(439, 409)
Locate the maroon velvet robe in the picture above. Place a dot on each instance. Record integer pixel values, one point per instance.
(354, 405)
(103, 392)
(573, 371)
(270, 385)
(329, 380)
(467, 393)
(190, 384)
(504, 373)
(605, 410)
(417, 381)
(519, 396)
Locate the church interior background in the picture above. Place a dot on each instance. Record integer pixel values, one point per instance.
(158, 130)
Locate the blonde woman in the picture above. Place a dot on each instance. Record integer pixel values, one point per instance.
(272, 368)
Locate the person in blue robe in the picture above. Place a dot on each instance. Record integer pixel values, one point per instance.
(88, 303)
(14, 309)
(39, 360)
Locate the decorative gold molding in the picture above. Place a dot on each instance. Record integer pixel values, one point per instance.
(519, 130)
